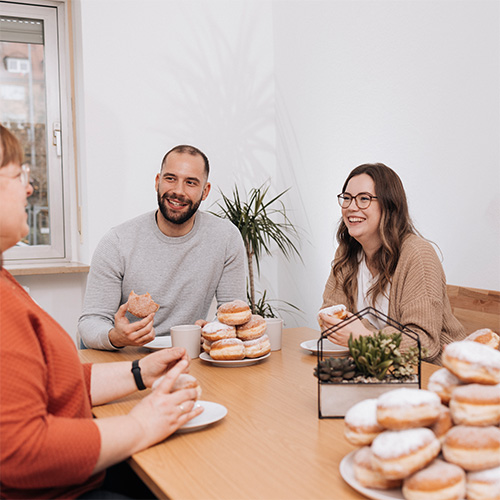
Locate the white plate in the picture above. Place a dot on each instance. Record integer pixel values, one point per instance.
(159, 343)
(232, 362)
(213, 412)
(347, 472)
(328, 348)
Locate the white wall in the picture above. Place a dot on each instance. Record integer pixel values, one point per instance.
(302, 92)
(411, 84)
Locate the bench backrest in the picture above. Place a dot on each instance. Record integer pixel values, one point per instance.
(475, 308)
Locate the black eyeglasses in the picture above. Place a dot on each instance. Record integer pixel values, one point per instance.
(363, 200)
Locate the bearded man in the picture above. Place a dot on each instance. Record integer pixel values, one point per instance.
(183, 257)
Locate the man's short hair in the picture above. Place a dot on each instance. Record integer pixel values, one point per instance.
(184, 148)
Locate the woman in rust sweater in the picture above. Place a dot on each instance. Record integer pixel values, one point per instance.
(383, 262)
(50, 446)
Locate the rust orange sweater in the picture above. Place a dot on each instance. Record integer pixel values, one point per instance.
(49, 444)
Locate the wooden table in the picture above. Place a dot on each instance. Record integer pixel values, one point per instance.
(271, 444)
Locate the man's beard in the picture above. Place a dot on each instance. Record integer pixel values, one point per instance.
(177, 217)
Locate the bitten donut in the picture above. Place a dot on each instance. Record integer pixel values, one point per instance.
(442, 382)
(443, 423)
(397, 454)
(252, 329)
(484, 484)
(476, 404)
(256, 348)
(360, 423)
(407, 408)
(234, 313)
(216, 330)
(338, 311)
(141, 305)
(485, 336)
(366, 475)
(227, 349)
(472, 448)
(438, 481)
(472, 362)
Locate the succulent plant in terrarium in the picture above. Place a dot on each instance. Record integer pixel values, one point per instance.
(371, 356)
(335, 369)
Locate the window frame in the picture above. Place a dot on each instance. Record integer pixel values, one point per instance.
(63, 191)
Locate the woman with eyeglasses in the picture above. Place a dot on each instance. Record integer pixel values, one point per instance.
(50, 446)
(383, 262)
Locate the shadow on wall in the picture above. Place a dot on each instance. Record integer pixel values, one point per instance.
(223, 90)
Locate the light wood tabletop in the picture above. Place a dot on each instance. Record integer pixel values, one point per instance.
(271, 445)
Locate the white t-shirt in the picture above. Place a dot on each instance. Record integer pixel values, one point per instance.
(365, 282)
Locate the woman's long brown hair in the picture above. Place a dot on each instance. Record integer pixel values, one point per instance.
(395, 226)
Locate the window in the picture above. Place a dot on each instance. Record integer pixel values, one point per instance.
(34, 105)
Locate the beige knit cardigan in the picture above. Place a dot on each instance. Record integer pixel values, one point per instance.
(417, 299)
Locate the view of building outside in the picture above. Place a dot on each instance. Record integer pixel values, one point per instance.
(23, 111)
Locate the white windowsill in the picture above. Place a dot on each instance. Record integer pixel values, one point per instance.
(48, 268)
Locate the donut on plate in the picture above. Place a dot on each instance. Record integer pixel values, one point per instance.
(438, 481)
(234, 313)
(206, 345)
(472, 448)
(397, 454)
(407, 408)
(484, 484)
(141, 305)
(256, 348)
(366, 475)
(252, 329)
(442, 382)
(360, 423)
(476, 404)
(443, 423)
(215, 330)
(472, 362)
(227, 349)
(485, 336)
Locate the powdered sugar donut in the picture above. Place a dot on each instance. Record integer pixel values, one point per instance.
(407, 408)
(338, 311)
(227, 349)
(366, 475)
(485, 336)
(234, 313)
(443, 423)
(397, 454)
(476, 404)
(438, 481)
(442, 382)
(360, 423)
(206, 345)
(472, 448)
(215, 330)
(252, 329)
(256, 348)
(472, 362)
(484, 484)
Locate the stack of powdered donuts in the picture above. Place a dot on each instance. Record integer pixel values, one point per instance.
(236, 334)
(438, 444)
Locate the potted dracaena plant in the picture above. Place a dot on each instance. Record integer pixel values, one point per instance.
(262, 220)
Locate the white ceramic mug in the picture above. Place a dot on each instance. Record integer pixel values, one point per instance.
(187, 336)
(274, 331)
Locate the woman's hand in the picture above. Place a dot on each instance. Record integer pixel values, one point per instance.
(157, 364)
(162, 412)
(341, 336)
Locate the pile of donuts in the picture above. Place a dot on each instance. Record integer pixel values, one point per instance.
(442, 443)
(236, 334)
